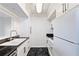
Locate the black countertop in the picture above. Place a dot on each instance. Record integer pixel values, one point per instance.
(7, 50)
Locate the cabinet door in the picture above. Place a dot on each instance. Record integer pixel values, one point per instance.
(20, 50)
(23, 49)
(27, 46)
(59, 10)
(50, 45)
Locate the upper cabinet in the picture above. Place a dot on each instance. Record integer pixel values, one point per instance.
(65, 7)
(55, 10)
(71, 5)
(58, 9)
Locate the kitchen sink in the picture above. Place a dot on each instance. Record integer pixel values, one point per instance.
(8, 39)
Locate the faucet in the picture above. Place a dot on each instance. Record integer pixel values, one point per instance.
(12, 31)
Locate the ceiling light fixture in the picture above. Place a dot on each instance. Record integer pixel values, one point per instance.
(39, 7)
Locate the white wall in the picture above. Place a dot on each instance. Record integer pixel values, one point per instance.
(21, 25)
(5, 26)
(2, 27)
(40, 26)
(14, 25)
(24, 27)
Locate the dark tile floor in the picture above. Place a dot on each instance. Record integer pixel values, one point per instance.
(36, 51)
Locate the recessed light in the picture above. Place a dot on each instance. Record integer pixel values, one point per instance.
(39, 7)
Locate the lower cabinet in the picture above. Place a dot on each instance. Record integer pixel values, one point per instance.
(50, 46)
(23, 49)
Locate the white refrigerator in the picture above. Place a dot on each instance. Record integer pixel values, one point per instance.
(66, 33)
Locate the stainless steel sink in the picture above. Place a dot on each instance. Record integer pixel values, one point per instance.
(8, 39)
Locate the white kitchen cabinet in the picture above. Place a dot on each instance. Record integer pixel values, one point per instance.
(63, 8)
(71, 5)
(23, 49)
(59, 10)
(50, 43)
(27, 47)
(20, 50)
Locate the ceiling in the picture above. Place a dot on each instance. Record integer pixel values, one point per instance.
(31, 8)
(14, 8)
(2, 14)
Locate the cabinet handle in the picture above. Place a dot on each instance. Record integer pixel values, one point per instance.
(24, 49)
(47, 41)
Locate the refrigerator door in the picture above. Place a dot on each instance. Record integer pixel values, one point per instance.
(67, 26)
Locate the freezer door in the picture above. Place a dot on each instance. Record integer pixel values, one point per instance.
(64, 48)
